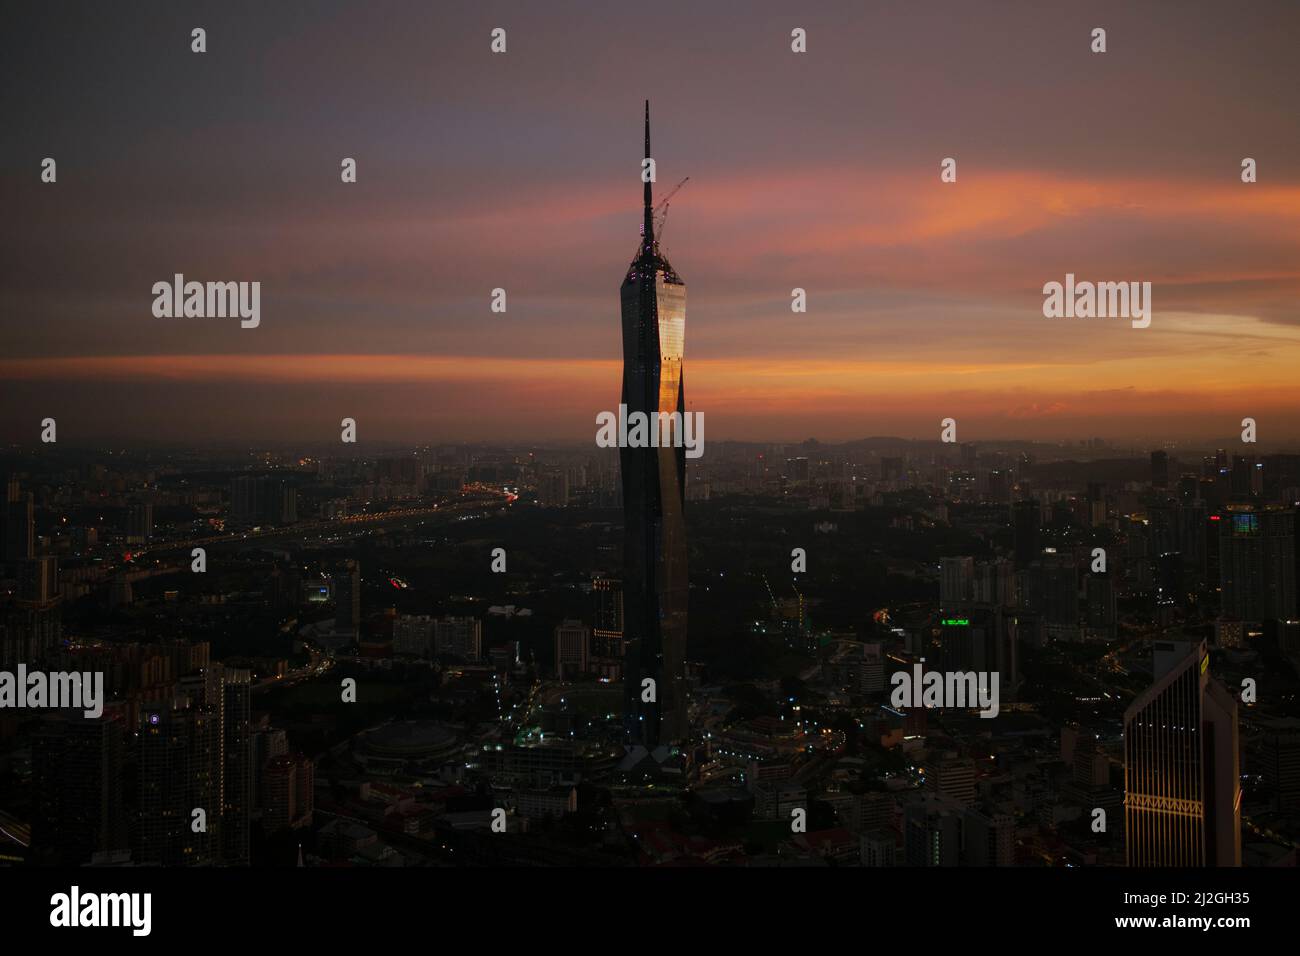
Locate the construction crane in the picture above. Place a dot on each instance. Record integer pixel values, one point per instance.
(772, 595)
(660, 211)
(794, 583)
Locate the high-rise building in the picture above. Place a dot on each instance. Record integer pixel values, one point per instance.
(236, 763)
(139, 528)
(1090, 766)
(951, 776)
(553, 490)
(995, 583)
(796, 469)
(1027, 520)
(932, 831)
(1061, 590)
(983, 639)
(572, 643)
(268, 742)
(78, 770)
(608, 630)
(19, 525)
(186, 657)
(38, 580)
(1159, 469)
(176, 774)
(226, 694)
(459, 637)
(1181, 789)
(263, 499)
(1257, 565)
(654, 526)
(1280, 758)
(1246, 480)
(289, 779)
(988, 839)
(31, 623)
(1100, 608)
(879, 848)
(347, 597)
(956, 581)
(413, 634)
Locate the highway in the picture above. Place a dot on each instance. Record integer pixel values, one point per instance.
(334, 526)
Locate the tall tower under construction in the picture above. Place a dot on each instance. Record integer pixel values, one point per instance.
(654, 495)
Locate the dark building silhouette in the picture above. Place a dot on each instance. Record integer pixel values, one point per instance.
(140, 523)
(288, 787)
(1027, 520)
(176, 770)
(263, 499)
(654, 574)
(78, 769)
(347, 597)
(19, 539)
(1159, 469)
(236, 764)
(226, 694)
(608, 630)
(1257, 567)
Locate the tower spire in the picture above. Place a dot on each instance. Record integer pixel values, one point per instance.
(648, 228)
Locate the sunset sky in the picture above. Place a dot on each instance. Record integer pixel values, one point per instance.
(521, 171)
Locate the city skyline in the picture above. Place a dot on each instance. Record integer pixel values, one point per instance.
(351, 520)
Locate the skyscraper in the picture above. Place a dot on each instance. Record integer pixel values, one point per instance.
(140, 523)
(1026, 521)
(176, 772)
(1181, 766)
(347, 597)
(236, 780)
(19, 540)
(956, 581)
(572, 648)
(289, 799)
(1257, 569)
(608, 630)
(654, 573)
(1160, 469)
(264, 499)
(224, 693)
(459, 636)
(932, 831)
(78, 771)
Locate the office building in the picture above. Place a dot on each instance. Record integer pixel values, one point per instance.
(572, 649)
(347, 598)
(460, 637)
(1181, 766)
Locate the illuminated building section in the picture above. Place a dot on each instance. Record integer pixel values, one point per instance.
(1181, 795)
(654, 579)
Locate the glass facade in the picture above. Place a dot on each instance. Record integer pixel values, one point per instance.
(654, 495)
(1180, 771)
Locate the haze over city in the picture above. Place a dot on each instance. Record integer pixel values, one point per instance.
(635, 437)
